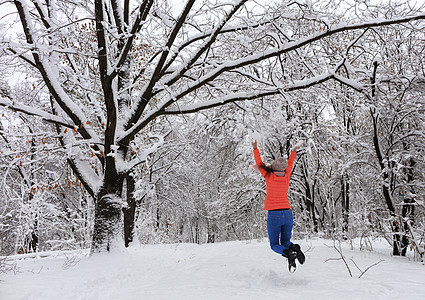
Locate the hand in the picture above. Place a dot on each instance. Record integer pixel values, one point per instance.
(298, 145)
(254, 144)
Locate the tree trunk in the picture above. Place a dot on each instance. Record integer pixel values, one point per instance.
(345, 202)
(309, 197)
(107, 233)
(33, 245)
(108, 229)
(129, 211)
(210, 232)
(407, 212)
(395, 226)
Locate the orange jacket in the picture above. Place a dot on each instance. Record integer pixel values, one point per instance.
(276, 186)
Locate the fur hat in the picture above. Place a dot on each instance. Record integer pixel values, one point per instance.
(279, 164)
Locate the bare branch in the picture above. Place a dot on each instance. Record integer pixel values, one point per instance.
(157, 72)
(35, 112)
(67, 105)
(341, 258)
(367, 269)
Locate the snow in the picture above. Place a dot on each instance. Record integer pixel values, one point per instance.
(229, 270)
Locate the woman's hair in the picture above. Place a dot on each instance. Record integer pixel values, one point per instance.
(268, 169)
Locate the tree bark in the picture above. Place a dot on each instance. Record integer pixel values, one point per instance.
(309, 197)
(408, 210)
(107, 233)
(345, 202)
(129, 211)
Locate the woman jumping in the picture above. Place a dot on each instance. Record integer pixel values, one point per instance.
(279, 219)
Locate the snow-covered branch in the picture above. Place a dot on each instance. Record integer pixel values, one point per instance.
(219, 101)
(91, 181)
(291, 46)
(205, 34)
(44, 66)
(176, 75)
(32, 111)
(136, 27)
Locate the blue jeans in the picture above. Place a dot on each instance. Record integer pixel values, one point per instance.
(279, 227)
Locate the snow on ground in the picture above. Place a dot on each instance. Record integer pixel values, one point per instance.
(231, 270)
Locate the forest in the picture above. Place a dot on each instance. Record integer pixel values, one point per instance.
(128, 121)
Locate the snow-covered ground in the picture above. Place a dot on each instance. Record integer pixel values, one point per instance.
(232, 270)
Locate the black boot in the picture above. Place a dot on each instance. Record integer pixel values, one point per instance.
(290, 255)
(297, 249)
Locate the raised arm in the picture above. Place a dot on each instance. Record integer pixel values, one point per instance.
(258, 160)
(292, 156)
